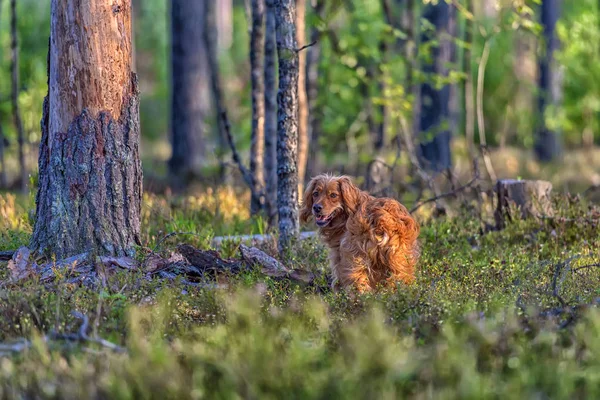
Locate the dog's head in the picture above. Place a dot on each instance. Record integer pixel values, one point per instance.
(329, 198)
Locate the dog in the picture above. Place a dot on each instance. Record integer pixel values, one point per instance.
(373, 242)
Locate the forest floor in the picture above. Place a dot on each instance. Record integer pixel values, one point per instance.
(500, 314)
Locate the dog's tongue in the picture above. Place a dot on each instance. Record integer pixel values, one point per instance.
(321, 218)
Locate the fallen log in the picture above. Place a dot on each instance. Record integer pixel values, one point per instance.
(192, 265)
(6, 255)
(208, 259)
(254, 256)
(255, 239)
(80, 268)
(273, 268)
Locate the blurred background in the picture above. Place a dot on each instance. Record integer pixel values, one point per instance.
(366, 70)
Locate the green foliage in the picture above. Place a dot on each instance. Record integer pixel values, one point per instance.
(578, 31)
(357, 76)
(33, 27)
(151, 27)
(474, 324)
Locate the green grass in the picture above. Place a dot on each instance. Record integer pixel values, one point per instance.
(474, 325)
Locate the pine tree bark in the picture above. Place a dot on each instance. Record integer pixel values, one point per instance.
(14, 71)
(287, 123)
(189, 92)
(548, 143)
(302, 95)
(136, 14)
(90, 175)
(257, 138)
(270, 126)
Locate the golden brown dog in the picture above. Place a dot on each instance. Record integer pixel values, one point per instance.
(372, 241)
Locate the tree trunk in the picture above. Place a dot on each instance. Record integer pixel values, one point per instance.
(210, 40)
(302, 95)
(14, 70)
(384, 109)
(412, 62)
(2, 142)
(257, 138)
(287, 123)
(136, 15)
(270, 77)
(189, 90)
(450, 46)
(90, 175)
(224, 23)
(407, 25)
(3, 182)
(468, 85)
(313, 57)
(435, 117)
(548, 143)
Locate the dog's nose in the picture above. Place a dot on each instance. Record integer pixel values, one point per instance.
(317, 208)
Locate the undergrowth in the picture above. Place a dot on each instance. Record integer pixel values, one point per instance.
(496, 314)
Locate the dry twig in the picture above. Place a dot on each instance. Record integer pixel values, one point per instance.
(444, 195)
(306, 46)
(246, 174)
(80, 336)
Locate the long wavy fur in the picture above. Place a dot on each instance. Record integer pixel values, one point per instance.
(373, 241)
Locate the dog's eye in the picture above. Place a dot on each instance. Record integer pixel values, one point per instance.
(315, 194)
(333, 195)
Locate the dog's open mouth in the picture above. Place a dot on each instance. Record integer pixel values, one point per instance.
(324, 220)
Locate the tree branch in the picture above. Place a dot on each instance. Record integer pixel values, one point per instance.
(443, 195)
(306, 46)
(248, 178)
(246, 174)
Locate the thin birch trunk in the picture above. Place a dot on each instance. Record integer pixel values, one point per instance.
(270, 77)
(469, 102)
(287, 123)
(302, 95)
(258, 101)
(2, 142)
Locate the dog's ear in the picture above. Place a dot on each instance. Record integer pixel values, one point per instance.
(307, 201)
(350, 194)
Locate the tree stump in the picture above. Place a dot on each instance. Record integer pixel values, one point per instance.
(530, 198)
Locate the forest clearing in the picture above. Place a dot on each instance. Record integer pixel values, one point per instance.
(299, 199)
